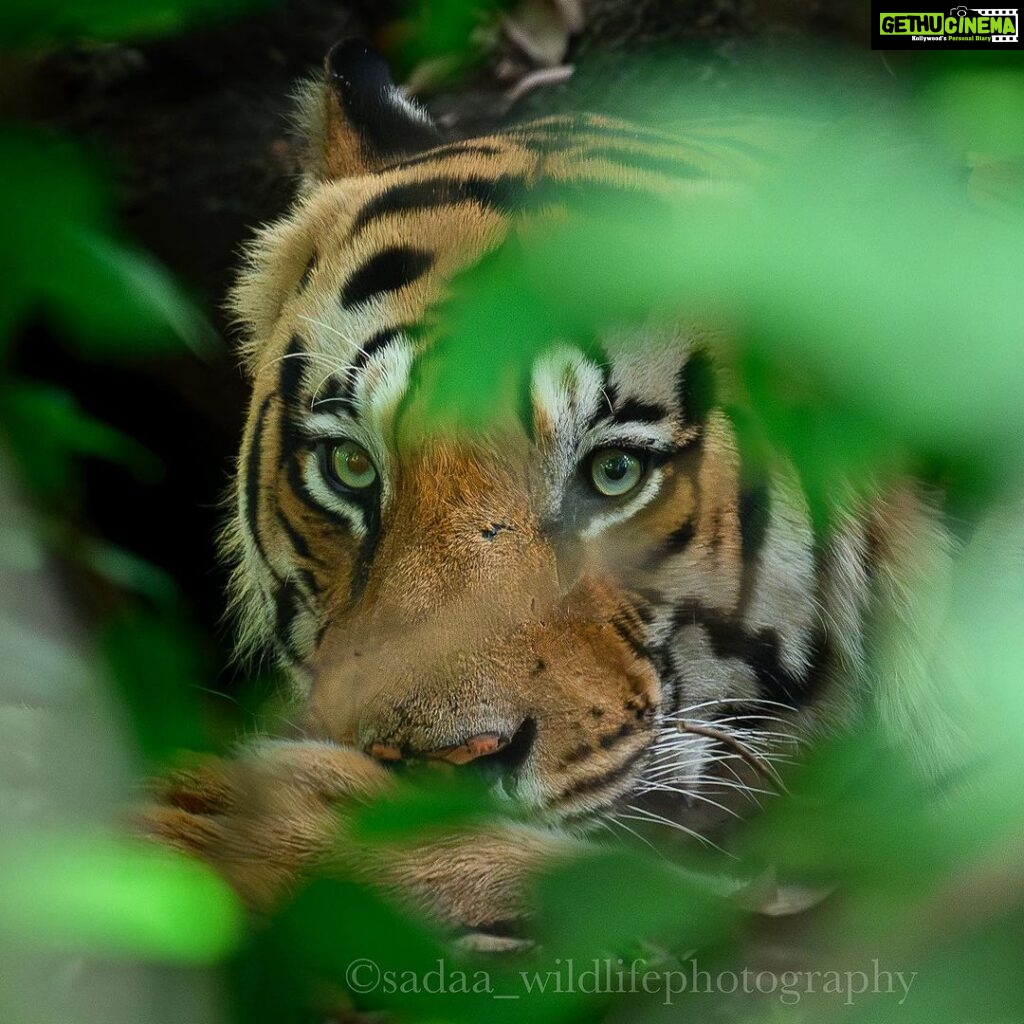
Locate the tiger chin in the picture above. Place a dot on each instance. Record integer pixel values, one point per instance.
(594, 601)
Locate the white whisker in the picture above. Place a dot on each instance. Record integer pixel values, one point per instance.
(690, 794)
(642, 814)
(614, 819)
(313, 357)
(332, 330)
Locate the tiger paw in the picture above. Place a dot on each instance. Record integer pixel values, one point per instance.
(266, 817)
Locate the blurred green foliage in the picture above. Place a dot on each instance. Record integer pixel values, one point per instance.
(28, 23)
(429, 800)
(107, 297)
(81, 890)
(50, 431)
(451, 35)
(865, 262)
(879, 325)
(114, 898)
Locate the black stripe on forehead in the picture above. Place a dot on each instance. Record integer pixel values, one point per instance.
(583, 126)
(289, 381)
(500, 194)
(633, 410)
(611, 405)
(695, 388)
(386, 271)
(627, 157)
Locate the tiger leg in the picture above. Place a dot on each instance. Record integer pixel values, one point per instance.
(276, 814)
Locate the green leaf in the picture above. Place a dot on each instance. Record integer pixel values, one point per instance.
(156, 663)
(344, 942)
(456, 31)
(130, 572)
(857, 811)
(49, 432)
(115, 300)
(978, 111)
(110, 298)
(114, 897)
(860, 273)
(433, 802)
(605, 902)
(25, 23)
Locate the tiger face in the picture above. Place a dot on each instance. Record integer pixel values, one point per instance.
(593, 600)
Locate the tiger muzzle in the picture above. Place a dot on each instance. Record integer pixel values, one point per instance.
(537, 704)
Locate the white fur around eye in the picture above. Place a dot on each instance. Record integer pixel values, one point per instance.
(565, 389)
(619, 513)
(327, 496)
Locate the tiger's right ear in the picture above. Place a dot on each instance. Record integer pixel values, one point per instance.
(355, 119)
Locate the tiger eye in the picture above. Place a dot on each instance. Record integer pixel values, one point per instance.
(351, 466)
(615, 472)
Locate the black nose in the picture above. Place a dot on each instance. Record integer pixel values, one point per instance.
(511, 757)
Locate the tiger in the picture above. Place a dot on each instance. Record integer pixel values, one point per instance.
(595, 601)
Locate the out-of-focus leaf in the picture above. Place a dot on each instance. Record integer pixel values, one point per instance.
(379, 958)
(20, 546)
(858, 812)
(48, 432)
(417, 809)
(115, 898)
(116, 300)
(449, 30)
(24, 23)
(604, 902)
(131, 573)
(155, 663)
(861, 271)
(982, 661)
(978, 111)
(938, 990)
(110, 298)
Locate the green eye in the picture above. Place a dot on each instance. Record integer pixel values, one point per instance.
(615, 472)
(350, 464)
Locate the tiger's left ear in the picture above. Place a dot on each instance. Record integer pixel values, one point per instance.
(356, 120)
